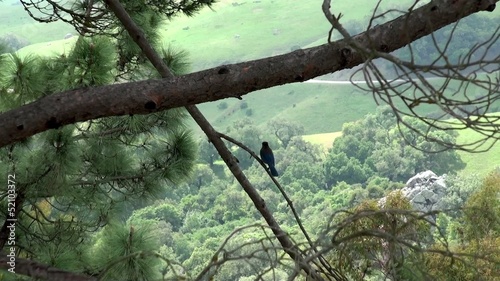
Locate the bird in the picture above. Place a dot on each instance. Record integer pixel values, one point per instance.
(266, 153)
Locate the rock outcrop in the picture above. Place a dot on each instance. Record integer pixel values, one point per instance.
(424, 191)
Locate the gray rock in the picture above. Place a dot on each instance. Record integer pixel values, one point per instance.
(420, 178)
(424, 191)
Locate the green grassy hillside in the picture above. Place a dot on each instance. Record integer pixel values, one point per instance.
(325, 139)
(15, 20)
(318, 107)
(224, 35)
(232, 31)
(242, 30)
(49, 48)
(239, 30)
(479, 163)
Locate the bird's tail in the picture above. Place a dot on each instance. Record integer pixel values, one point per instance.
(274, 173)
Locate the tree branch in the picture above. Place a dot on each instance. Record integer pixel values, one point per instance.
(38, 270)
(321, 258)
(231, 80)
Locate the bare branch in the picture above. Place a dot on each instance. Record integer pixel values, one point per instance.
(413, 88)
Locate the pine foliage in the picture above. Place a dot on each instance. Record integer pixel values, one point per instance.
(74, 180)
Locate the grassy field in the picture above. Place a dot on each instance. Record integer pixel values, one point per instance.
(252, 29)
(325, 140)
(241, 30)
(480, 163)
(318, 107)
(232, 31)
(51, 48)
(15, 20)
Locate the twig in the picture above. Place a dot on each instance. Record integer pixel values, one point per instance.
(323, 261)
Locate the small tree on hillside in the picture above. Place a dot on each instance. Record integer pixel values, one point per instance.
(285, 130)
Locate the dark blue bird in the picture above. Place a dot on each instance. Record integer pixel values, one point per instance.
(266, 153)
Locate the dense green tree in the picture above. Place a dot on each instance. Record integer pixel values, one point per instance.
(372, 239)
(469, 31)
(300, 164)
(340, 167)
(353, 146)
(202, 176)
(198, 259)
(207, 153)
(285, 130)
(377, 146)
(232, 202)
(383, 184)
(125, 253)
(477, 254)
(164, 210)
(443, 162)
(251, 135)
(348, 196)
(458, 190)
(389, 161)
(482, 210)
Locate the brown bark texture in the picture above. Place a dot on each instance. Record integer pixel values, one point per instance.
(42, 271)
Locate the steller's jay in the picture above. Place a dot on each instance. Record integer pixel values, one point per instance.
(267, 156)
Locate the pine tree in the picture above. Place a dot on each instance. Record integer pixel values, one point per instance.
(72, 181)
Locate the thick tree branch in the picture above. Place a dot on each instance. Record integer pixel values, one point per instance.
(38, 270)
(231, 80)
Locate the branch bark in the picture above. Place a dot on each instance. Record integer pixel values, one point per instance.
(230, 80)
(38, 270)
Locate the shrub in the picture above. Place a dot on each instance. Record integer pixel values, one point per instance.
(244, 105)
(222, 105)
